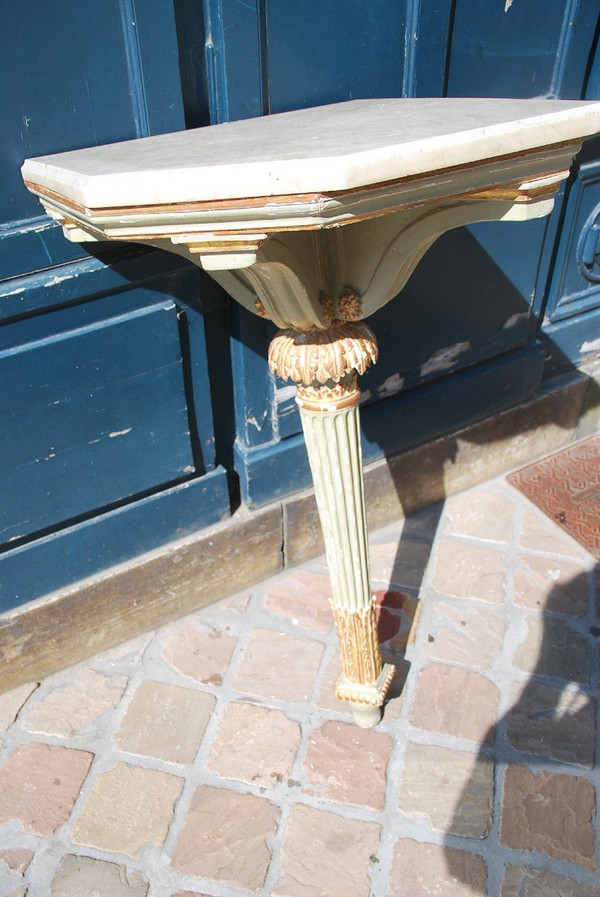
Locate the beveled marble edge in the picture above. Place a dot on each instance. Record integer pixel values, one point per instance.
(521, 179)
(330, 148)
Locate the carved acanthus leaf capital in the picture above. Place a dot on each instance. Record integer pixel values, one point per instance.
(323, 355)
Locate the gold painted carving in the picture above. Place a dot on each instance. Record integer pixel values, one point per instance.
(319, 356)
(359, 644)
(350, 306)
(260, 309)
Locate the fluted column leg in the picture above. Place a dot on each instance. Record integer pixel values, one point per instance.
(330, 420)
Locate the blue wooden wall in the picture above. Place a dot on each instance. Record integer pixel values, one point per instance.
(135, 398)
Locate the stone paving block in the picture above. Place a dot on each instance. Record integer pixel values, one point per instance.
(226, 837)
(400, 563)
(39, 784)
(556, 722)
(468, 570)
(77, 700)
(553, 648)
(279, 666)
(455, 702)
(549, 811)
(202, 655)
(189, 894)
(12, 701)
(127, 808)
(430, 870)
(16, 859)
(453, 790)
(254, 744)
(347, 764)
(472, 636)
(480, 515)
(324, 854)
(396, 618)
(81, 876)
(165, 721)
(539, 533)
(302, 596)
(521, 881)
(551, 584)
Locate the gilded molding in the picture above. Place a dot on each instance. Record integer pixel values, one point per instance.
(359, 643)
(322, 355)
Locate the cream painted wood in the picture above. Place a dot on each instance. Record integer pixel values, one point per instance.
(315, 219)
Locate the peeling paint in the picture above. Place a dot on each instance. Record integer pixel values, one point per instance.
(255, 423)
(443, 359)
(285, 393)
(391, 385)
(120, 433)
(591, 346)
(515, 319)
(57, 279)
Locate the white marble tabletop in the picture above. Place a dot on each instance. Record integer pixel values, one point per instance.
(329, 148)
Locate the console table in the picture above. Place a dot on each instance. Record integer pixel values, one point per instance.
(315, 219)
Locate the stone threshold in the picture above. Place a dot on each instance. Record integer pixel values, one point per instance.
(71, 624)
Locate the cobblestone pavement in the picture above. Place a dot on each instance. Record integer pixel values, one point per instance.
(210, 758)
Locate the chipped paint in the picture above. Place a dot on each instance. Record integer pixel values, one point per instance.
(591, 346)
(444, 359)
(285, 393)
(252, 420)
(508, 5)
(391, 385)
(120, 433)
(515, 319)
(57, 279)
(14, 292)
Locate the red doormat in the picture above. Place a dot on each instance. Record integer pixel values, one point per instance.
(566, 486)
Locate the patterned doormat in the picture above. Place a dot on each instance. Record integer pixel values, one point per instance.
(566, 486)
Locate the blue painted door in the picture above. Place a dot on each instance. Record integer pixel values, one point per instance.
(465, 337)
(131, 389)
(107, 441)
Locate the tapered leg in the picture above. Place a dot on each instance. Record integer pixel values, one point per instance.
(330, 420)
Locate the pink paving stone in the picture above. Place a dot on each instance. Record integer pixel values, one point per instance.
(190, 894)
(17, 859)
(468, 635)
(465, 570)
(430, 870)
(127, 808)
(165, 721)
(549, 811)
(481, 515)
(539, 533)
(81, 876)
(254, 744)
(553, 585)
(39, 785)
(452, 790)
(455, 702)
(12, 701)
(400, 563)
(202, 655)
(325, 856)
(523, 881)
(303, 596)
(78, 699)
(279, 666)
(347, 764)
(226, 837)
